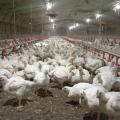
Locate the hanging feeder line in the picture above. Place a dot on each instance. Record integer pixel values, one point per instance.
(96, 51)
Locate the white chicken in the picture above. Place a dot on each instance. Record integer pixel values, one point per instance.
(106, 79)
(42, 79)
(89, 99)
(30, 71)
(62, 74)
(4, 72)
(73, 92)
(6, 65)
(63, 62)
(116, 85)
(19, 73)
(79, 61)
(77, 77)
(18, 65)
(89, 96)
(106, 69)
(16, 86)
(110, 103)
(86, 77)
(44, 67)
(92, 63)
(80, 75)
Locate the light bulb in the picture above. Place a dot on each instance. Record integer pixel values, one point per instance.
(116, 7)
(49, 5)
(98, 16)
(88, 20)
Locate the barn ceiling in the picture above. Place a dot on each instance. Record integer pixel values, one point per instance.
(68, 11)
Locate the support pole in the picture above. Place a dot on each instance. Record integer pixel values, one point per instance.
(14, 18)
(31, 27)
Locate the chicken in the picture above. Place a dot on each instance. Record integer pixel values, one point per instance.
(79, 61)
(85, 75)
(89, 99)
(80, 75)
(42, 79)
(62, 74)
(6, 65)
(44, 67)
(110, 103)
(73, 92)
(63, 62)
(16, 86)
(77, 77)
(4, 72)
(116, 85)
(93, 64)
(105, 69)
(106, 79)
(30, 71)
(19, 73)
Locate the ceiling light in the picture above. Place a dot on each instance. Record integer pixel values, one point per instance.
(74, 26)
(71, 28)
(116, 6)
(49, 5)
(88, 20)
(77, 25)
(51, 19)
(98, 15)
(53, 26)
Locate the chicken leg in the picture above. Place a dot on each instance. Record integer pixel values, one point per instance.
(20, 106)
(98, 116)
